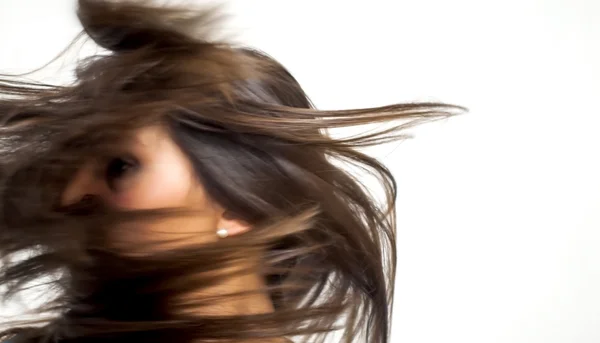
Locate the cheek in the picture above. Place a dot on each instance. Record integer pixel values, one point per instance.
(159, 186)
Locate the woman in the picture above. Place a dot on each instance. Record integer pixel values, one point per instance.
(185, 190)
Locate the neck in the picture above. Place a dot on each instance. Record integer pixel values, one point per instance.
(129, 299)
(236, 295)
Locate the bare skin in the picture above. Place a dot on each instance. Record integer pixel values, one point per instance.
(151, 171)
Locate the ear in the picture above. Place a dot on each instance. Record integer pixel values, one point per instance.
(233, 226)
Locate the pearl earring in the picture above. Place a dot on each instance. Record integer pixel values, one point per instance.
(222, 233)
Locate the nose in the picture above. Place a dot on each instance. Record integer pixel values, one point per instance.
(84, 185)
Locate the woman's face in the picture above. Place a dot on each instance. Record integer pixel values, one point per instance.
(150, 171)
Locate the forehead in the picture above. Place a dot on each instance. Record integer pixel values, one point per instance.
(148, 137)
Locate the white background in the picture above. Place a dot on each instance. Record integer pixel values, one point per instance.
(499, 209)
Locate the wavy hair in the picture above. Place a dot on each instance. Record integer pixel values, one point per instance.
(258, 146)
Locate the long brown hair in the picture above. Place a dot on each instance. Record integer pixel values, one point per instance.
(260, 149)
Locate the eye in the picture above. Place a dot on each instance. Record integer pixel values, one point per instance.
(119, 170)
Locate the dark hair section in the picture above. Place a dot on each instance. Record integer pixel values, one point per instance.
(258, 146)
